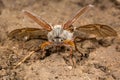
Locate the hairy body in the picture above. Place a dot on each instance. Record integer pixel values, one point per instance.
(57, 35)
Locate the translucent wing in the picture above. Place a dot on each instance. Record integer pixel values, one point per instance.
(76, 16)
(25, 34)
(98, 30)
(41, 22)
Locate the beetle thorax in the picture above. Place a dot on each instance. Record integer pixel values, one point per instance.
(58, 34)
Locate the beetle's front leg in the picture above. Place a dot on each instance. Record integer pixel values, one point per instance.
(43, 46)
(70, 44)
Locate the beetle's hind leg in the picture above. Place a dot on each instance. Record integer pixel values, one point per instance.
(24, 59)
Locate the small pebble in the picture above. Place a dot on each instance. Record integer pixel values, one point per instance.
(70, 67)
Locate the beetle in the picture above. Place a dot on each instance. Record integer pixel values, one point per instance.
(62, 35)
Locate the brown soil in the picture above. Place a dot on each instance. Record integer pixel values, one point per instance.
(101, 60)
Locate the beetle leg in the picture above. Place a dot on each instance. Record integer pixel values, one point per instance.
(72, 60)
(43, 46)
(76, 48)
(70, 44)
(24, 59)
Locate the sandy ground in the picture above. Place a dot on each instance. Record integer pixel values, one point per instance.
(100, 62)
